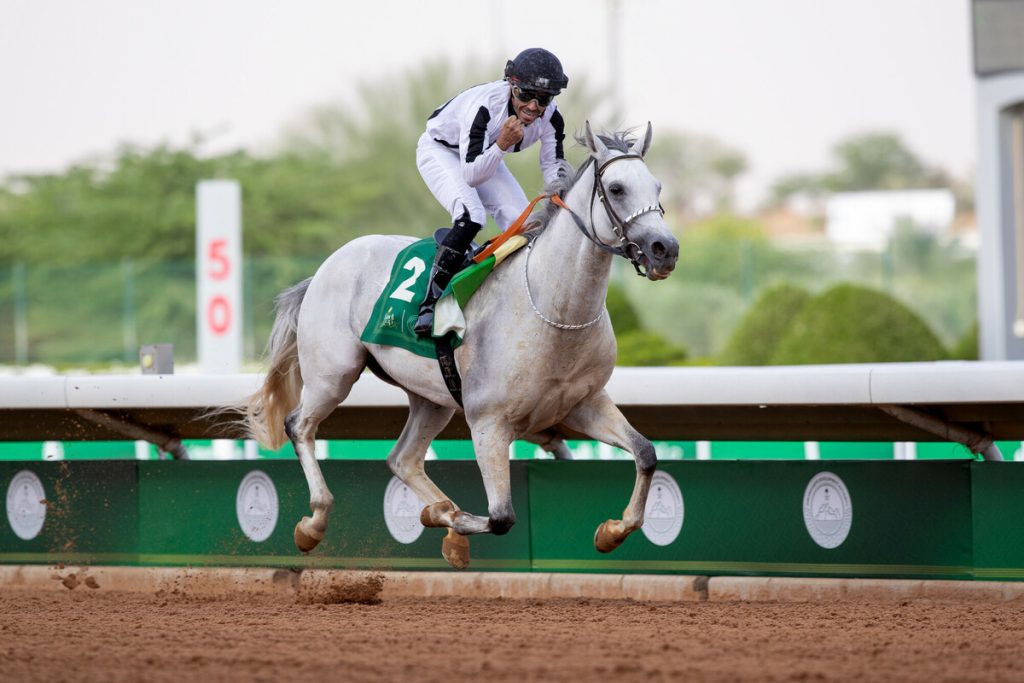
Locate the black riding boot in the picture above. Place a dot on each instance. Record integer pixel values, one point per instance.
(447, 261)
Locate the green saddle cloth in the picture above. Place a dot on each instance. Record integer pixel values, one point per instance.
(398, 305)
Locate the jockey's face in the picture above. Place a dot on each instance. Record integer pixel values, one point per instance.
(530, 110)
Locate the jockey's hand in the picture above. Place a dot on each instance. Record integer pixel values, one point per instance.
(511, 133)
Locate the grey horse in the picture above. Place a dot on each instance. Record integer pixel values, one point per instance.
(537, 353)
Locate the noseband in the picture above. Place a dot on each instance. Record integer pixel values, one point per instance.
(625, 247)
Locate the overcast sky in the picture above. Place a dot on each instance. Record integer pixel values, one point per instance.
(782, 81)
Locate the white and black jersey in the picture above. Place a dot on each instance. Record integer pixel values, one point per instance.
(470, 123)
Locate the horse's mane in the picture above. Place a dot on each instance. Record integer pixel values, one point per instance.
(619, 141)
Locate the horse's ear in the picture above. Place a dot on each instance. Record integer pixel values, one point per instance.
(594, 144)
(641, 146)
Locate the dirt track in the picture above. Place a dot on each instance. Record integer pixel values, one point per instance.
(104, 635)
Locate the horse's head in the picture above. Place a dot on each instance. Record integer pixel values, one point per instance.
(632, 218)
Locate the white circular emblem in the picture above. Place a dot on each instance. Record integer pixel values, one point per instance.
(402, 511)
(256, 506)
(26, 505)
(828, 512)
(663, 514)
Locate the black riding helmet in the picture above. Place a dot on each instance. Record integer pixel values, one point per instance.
(536, 69)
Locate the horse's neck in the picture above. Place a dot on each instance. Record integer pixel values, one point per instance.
(568, 273)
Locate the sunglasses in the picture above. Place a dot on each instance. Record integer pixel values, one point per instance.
(543, 99)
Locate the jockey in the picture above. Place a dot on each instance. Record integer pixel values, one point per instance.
(460, 156)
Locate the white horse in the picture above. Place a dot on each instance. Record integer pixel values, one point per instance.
(537, 353)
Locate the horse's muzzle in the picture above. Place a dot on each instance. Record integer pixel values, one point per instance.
(660, 257)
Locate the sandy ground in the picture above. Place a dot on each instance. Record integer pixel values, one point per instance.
(321, 634)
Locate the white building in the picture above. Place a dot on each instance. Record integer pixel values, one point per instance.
(866, 220)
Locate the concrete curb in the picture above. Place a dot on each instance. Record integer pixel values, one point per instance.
(785, 589)
(513, 585)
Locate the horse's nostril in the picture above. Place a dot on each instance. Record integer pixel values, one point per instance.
(659, 250)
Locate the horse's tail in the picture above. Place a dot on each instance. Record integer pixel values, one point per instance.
(265, 410)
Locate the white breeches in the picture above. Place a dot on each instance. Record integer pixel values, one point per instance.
(499, 196)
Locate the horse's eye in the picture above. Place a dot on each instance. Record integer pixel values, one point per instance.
(617, 190)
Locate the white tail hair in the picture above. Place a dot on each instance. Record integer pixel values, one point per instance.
(266, 410)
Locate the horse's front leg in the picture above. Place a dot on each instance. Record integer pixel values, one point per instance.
(599, 418)
(491, 438)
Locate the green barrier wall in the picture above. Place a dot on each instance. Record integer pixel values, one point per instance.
(909, 519)
(997, 490)
(91, 513)
(187, 515)
(942, 519)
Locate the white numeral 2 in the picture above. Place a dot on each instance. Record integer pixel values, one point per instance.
(417, 266)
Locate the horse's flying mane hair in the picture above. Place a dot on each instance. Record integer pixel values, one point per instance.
(620, 141)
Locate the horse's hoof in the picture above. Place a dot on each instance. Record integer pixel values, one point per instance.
(430, 516)
(306, 537)
(606, 539)
(455, 549)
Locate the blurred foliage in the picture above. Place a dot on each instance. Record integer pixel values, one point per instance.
(644, 347)
(966, 348)
(870, 161)
(637, 346)
(698, 173)
(756, 338)
(621, 312)
(731, 250)
(854, 324)
(127, 223)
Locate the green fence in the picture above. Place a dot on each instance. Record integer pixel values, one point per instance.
(463, 450)
(940, 519)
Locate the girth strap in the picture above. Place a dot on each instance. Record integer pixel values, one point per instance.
(449, 371)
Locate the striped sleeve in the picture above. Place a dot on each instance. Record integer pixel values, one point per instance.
(479, 161)
(552, 147)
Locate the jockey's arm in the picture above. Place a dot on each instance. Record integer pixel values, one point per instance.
(480, 157)
(551, 147)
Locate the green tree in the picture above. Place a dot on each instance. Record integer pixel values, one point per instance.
(643, 348)
(621, 312)
(966, 348)
(853, 324)
(756, 338)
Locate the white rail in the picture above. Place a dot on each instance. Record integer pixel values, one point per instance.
(984, 400)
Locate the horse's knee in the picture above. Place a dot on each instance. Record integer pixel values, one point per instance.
(501, 519)
(645, 455)
(403, 467)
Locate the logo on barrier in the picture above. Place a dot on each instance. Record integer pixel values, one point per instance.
(26, 505)
(402, 511)
(828, 512)
(663, 515)
(256, 506)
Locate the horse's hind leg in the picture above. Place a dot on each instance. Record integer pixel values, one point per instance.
(552, 442)
(321, 394)
(599, 418)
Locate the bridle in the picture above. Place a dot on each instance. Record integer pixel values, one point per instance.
(625, 247)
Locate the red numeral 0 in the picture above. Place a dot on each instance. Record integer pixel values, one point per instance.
(218, 314)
